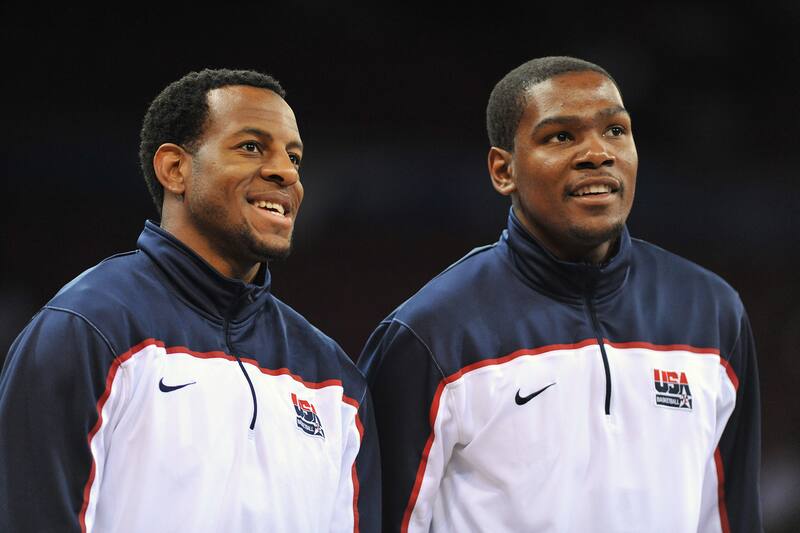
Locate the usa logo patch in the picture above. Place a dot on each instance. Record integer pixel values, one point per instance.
(672, 389)
(307, 419)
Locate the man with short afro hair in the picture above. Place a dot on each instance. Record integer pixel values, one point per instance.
(180, 112)
(567, 378)
(168, 389)
(510, 95)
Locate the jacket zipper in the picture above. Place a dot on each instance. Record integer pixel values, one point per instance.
(225, 325)
(599, 336)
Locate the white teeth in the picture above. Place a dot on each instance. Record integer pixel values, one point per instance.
(278, 208)
(593, 189)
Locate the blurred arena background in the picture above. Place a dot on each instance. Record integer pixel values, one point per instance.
(391, 105)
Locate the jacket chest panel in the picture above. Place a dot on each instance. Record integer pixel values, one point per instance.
(540, 411)
(184, 420)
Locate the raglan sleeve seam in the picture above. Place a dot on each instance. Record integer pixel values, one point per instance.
(448, 398)
(362, 399)
(740, 318)
(427, 348)
(737, 346)
(737, 341)
(106, 341)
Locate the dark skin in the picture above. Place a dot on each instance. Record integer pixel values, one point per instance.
(235, 198)
(572, 173)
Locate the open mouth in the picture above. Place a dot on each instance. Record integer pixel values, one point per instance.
(594, 190)
(272, 207)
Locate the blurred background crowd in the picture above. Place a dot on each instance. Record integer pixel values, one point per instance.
(391, 103)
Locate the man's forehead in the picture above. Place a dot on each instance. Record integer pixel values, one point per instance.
(235, 103)
(570, 97)
(571, 89)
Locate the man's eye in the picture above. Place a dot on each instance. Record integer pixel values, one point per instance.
(560, 137)
(616, 131)
(251, 147)
(295, 159)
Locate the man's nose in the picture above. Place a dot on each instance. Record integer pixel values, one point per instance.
(281, 171)
(594, 154)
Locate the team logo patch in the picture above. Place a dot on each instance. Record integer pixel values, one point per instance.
(307, 419)
(672, 389)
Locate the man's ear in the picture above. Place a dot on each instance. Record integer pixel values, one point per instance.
(501, 171)
(171, 164)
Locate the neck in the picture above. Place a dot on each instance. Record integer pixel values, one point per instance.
(596, 255)
(246, 273)
(574, 250)
(220, 260)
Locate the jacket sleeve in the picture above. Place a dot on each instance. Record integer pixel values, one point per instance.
(404, 380)
(53, 376)
(359, 502)
(740, 444)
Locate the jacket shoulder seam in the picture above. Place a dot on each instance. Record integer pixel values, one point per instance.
(421, 341)
(88, 322)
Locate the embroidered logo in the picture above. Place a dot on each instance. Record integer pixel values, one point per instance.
(522, 400)
(672, 389)
(307, 419)
(163, 387)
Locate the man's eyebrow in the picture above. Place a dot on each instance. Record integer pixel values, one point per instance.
(567, 120)
(258, 132)
(611, 111)
(562, 120)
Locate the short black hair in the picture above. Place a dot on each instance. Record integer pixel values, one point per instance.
(179, 114)
(509, 97)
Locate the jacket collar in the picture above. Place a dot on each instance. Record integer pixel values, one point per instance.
(199, 283)
(548, 274)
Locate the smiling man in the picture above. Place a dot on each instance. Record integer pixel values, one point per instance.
(167, 389)
(568, 378)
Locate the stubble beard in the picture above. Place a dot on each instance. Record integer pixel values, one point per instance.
(260, 250)
(591, 237)
(235, 241)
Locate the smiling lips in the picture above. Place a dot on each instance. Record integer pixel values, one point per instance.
(597, 186)
(593, 189)
(270, 206)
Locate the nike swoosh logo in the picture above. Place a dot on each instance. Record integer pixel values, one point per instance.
(170, 388)
(522, 400)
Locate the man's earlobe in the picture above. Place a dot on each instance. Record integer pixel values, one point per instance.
(170, 163)
(501, 170)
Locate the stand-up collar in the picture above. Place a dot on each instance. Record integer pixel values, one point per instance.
(560, 278)
(198, 282)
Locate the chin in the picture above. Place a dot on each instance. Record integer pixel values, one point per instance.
(263, 248)
(595, 235)
(275, 254)
(270, 251)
